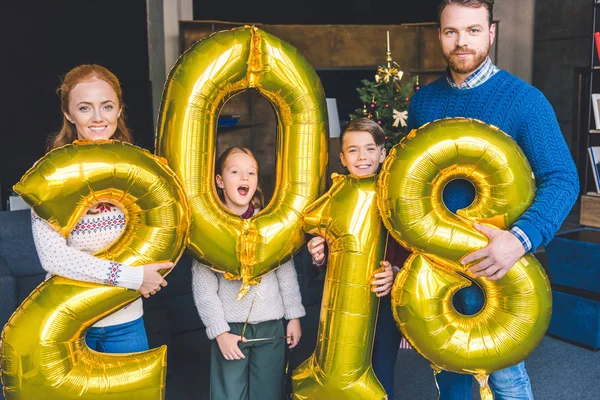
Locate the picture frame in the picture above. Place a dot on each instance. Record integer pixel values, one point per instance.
(596, 107)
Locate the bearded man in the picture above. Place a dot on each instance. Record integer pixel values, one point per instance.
(474, 87)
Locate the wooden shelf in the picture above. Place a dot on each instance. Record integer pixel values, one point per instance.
(594, 131)
(590, 211)
(225, 128)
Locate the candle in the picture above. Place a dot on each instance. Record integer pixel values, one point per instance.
(388, 41)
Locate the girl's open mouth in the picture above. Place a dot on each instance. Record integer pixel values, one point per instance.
(243, 190)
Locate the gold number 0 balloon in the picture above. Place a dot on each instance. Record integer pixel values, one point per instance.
(517, 307)
(204, 78)
(43, 352)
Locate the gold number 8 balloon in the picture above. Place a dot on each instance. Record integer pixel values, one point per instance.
(204, 78)
(517, 307)
(44, 354)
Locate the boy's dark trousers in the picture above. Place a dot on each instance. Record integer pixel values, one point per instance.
(385, 346)
(259, 376)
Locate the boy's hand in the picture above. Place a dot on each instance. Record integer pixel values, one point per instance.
(316, 248)
(228, 344)
(384, 280)
(294, 331)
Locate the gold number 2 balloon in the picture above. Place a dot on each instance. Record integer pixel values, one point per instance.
(204, 78)
(517, 307)
(43, 352)
(340, 367)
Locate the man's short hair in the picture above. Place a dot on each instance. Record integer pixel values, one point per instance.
(488, 4)
(364, 124)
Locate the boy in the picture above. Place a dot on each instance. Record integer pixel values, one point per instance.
(362, 142)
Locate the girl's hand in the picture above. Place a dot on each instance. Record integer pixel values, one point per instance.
(294, 331)
(384, 280)
(153, 281)
(228, 344)
(316, 248)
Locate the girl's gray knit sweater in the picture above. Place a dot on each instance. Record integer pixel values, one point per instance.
(276, 296)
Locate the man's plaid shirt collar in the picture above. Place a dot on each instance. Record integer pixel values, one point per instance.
(483, 73)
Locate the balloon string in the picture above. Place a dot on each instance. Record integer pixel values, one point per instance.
(387, 239)
(257, 293)
(249, 312)
(436, 371)
(485, 392)
(287, 364)
(243, 290)
(268, 338)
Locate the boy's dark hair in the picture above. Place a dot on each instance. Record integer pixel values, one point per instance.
(364, 125)
(488, 4)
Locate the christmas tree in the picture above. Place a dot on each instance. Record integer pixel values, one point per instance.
(386, 99)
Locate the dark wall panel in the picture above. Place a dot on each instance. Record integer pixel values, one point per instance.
(562, 44)
(317, 11)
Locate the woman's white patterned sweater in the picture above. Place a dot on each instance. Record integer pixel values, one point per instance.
(276, 296)
(72, 257)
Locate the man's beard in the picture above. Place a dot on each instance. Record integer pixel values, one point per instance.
(469, 66)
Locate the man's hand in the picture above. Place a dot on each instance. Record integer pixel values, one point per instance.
(316, 248)
(498, 257)
(228, 344)
(384, 280)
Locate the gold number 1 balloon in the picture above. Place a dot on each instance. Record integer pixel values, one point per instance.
(204, 78)
(517, 307)
(340, 367)
(43, 352)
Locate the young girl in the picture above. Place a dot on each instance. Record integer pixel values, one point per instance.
(92, 108)
(249, 367)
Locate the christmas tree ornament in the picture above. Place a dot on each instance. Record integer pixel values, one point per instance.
(391, 71)
(400, 118)
(387, 99)
(417, 85)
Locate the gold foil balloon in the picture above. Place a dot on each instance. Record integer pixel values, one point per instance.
(340, 367)
(43, 353)
(517, 307)
(204, 78)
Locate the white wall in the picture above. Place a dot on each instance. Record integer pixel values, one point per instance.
(163, 41)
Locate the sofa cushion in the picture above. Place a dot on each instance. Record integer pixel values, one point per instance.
(576, 318)
(16, 244)
(8, 297)
(574, 259)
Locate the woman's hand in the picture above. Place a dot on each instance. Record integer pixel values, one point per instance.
(294, 331)
(316, 248)
(228, 344)
(384, 280)
(153, 281)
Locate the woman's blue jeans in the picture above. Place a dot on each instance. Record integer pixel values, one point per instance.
(129, 337)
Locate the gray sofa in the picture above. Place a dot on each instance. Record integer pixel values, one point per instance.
(170, 316)
(20, 269)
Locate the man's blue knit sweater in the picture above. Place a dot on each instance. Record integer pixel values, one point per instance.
(525, 114)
